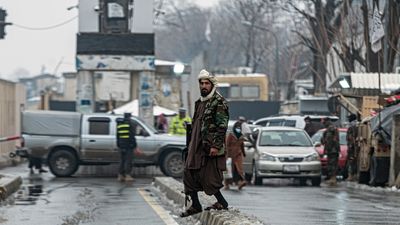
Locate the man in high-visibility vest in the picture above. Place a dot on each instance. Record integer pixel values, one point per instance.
(178, 123)
(126, 142)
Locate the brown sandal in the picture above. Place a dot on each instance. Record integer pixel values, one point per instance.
(190, 211)
(216, 206)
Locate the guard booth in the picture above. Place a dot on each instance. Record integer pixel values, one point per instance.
(364, 95)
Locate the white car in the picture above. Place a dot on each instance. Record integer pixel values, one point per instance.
(282, 152)
(292, 121)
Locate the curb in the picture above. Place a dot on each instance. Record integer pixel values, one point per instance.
(365, 187)
(8, 185)
(174, 191)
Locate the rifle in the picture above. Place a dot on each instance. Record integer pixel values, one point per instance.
(188, 137)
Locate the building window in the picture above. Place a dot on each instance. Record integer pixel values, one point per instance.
(235, 92)
(250, 92)
(224, 91)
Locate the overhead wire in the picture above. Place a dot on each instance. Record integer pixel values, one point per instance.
(45, 28)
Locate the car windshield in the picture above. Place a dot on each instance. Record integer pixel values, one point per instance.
(284, 138)
(317, 137)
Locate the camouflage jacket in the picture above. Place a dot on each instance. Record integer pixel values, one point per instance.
(351, 134)
(214, 122)
(330, 140)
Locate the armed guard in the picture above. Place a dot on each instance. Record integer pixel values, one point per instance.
(351, 136)
(330, 140)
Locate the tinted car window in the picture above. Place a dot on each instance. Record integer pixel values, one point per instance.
(99, 127)
(290, 123)
(275, 123)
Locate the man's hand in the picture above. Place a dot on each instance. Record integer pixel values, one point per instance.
(213, 152)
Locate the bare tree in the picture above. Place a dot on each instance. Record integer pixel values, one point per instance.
(325, 18)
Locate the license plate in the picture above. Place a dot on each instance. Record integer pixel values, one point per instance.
(291, 169)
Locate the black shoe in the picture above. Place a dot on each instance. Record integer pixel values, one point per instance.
(191, 211)
(42, 171)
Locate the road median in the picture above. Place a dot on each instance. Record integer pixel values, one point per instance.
(173, 189)
(8, 185)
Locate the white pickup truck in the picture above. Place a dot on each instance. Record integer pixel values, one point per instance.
(66, 140)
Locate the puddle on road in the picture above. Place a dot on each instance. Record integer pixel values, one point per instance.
(28, 194)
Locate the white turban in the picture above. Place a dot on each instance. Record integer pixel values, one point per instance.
(204, 74)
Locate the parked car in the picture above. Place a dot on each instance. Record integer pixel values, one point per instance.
(282, 152)
(292, 121)
(342, 164)
(66, 140)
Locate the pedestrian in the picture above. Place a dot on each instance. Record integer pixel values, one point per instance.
(35, 162)
(126, 143)
(310, 127)
(330, 140)
(206, 160)
(351, 136)
(246, 131)
(162, 124)
(235, 151)
(178, 123)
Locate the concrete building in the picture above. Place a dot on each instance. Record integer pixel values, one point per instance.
(116, 39)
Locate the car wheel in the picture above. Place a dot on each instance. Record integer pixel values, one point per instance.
(257, 180)
(316, 181)
(172, 164)
(248, 177)
(63, 163)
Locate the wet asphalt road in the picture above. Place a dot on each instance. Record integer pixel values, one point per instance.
(86, 199)
(286, 202)
(46, 200)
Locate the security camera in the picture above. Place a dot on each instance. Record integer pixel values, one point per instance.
(96, 8)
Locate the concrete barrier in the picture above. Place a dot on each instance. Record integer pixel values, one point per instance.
(173, 189)
(8, 185)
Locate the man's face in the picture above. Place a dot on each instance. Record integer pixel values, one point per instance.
(205, 87)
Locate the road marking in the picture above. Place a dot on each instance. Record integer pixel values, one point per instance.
(164, 215)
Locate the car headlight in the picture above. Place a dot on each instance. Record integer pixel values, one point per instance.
(267, 157)
(312, 157)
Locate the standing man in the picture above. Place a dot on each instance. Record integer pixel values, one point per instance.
(351, 136)
(126, 143)
(310, 127)
(178, 123)
(206, 156)
(330, 140)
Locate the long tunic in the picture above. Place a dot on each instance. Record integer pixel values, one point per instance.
(202, 172)
(235, 149)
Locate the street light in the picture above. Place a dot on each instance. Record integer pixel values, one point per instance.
(277, 64)
(179, 68)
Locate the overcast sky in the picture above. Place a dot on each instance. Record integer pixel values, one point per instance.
(26, 52)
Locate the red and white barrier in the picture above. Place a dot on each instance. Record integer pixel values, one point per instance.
(9, 138)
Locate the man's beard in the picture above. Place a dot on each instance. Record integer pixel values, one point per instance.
(204, 92)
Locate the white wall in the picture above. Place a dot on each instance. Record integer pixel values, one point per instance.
(88, 17)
